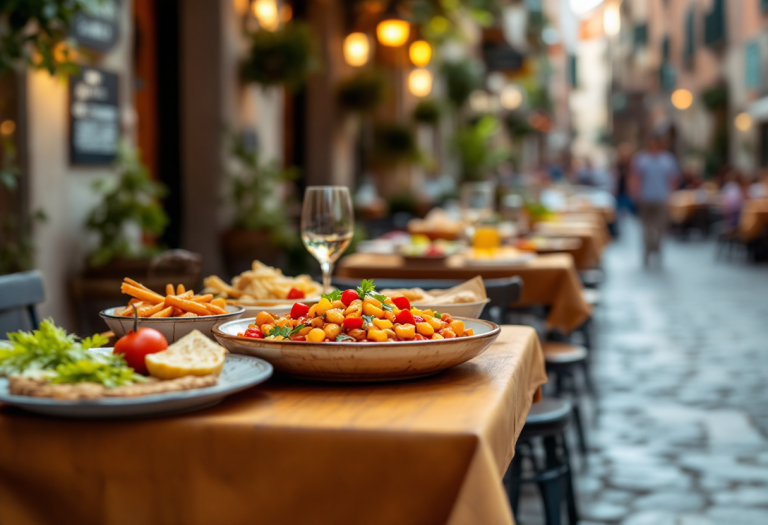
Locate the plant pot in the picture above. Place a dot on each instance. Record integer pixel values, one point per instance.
(242, 247)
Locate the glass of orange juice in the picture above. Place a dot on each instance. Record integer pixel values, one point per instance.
(486, 241)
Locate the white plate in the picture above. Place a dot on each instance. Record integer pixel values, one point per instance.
(173, 328)
(277, 306)
(360, 362)
(500, 261)
(239, 372)
(471, 310)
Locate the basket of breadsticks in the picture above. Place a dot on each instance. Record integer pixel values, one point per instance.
(174, 311)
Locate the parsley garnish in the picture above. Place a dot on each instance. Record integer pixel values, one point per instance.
(332, 296)
(366, 287)
(368, 320)
(382, 299)
(280, 330)
(297, 329)
(344, 337)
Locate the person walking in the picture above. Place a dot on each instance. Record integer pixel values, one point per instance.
(654, 174)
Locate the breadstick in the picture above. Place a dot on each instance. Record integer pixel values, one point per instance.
(139, 293)
(165, 312)
(188, 306)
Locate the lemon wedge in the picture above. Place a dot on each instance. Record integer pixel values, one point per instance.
(192, 355)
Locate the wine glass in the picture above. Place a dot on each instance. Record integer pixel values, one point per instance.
(327, 223)
(477, 204)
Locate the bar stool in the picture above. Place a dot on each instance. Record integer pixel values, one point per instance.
(564, 359)
(546, 421)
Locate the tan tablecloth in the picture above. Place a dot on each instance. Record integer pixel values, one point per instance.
(683, 204)
(430, 451)
(593, 234)
(549, 280)
(754, 219)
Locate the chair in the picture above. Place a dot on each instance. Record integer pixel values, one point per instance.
(547, 422)
(19, 293)
(501, 292)
(563, 360)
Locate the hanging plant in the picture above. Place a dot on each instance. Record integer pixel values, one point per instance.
(471, 145)
(517, 125)
(281, 57)
(428, 112)
(394, 144)
(461, 79)
(362, 92)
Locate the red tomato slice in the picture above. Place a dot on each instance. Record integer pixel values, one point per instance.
(297, 337)
(254, 333)
(402, 302)
(353, 322)
(299, 310)
(348, 296)
(295, 293)
(405, 317)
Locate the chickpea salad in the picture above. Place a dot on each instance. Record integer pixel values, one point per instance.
(358, 316)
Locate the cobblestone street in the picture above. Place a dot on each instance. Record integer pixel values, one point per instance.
(680, 421)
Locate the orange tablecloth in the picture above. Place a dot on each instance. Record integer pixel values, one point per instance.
(431, 451)
(549, 280)
(754, 219)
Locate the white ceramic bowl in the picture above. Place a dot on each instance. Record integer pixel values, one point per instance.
(173, 328)
(471, 310)
(359, 362)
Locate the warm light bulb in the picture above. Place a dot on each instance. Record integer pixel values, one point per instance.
(743, 122)
(420, 53)
(420, 82)
(393, 32)
(682, 99)
(286, 13)
(582, 7)
(511, 97)
(612, 19)
(266, 13)
(356, 49)
(7, 127)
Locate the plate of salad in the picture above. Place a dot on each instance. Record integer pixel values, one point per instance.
(50, 372)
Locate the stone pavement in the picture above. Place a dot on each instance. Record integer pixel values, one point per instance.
(679, 430)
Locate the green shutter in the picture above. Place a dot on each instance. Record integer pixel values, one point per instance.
(752, 66)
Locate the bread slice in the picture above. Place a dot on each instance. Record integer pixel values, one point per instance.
(192, 355)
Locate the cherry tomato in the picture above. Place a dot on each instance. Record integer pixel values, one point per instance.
(419, 337)
(405, 317)
(254, 333)
(297, 337)
(348, 296)
(136, 345)
(351, 323)
(295, 293)
(402, 302)
(299, 310)
(418, 318)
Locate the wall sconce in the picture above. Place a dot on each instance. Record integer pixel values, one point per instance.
(266, 13)
(420, 82)
(682, 99)
(356, 49)
(393, 30)
(420, 53)
(743, 122)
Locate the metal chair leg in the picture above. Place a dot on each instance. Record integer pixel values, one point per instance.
(579, 430)
(570, 496)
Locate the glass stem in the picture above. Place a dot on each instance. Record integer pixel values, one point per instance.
(327, 268)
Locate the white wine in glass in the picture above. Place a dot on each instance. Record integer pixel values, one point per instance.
(327, 224)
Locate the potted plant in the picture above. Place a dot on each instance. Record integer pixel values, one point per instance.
(280, 57)
(471, 145)
(261, 227)
(363, 92)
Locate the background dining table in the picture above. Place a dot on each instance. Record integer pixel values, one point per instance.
(753, 221)
(420, 452)
(548, 280)
(590, 229)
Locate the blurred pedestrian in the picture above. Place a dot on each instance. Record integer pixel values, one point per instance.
(622, 172)
(654, 175)
(585, 174)
(732, 196)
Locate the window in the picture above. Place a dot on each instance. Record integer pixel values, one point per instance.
(714, 24)
(573, 79)
(764, 5)
(752, 66)
(640, 36)
(665, 49)
(688, 44)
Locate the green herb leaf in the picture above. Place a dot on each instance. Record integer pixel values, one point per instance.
(280, 330)
(110, 373)
(332, 296)
(366, 287)
(297, 329)
(382, 299)
(368, 320)
(344, 337)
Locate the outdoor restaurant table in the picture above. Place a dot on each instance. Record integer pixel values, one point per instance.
(428, 451)
(754, 219)
(548, 280)
(593, 234)
(683, 204)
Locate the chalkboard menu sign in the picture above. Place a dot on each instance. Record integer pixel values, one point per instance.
(94, 117)
(98, 29)
(501, 57)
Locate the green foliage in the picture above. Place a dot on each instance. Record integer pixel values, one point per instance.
(106, 369)
(428, 111)
(45, 349)
(30, 30)
(517, 125)
(471, 145)
(438, 21)
(278, 57)
(715, 98)
(362, 92)
(394, 144)
(461, 78)
(134, 199)
(403, 202)
(254, 197)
